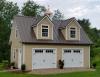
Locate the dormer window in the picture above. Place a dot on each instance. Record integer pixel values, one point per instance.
(44, 31)
(72, 33)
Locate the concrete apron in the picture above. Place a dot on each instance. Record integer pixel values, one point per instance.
(56, 71)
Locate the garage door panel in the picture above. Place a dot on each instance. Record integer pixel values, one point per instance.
(78, 58)
(45, 59)
(67, 62)
(37, 57)
(73, 57)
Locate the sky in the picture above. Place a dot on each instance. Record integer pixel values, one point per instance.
(88, 9)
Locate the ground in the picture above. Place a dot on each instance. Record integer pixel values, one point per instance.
(75, 74)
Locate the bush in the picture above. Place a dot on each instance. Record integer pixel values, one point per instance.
(23, 67)
(61, 64)
(12, 65)
(5, 64)
(1, 66)
(94, 65)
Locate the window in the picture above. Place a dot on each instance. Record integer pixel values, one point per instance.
(38, 51)
(49, 51)
(14, 54)
(44, 31)
(72, 33)
(16, 33)
(67, 51)
(76, 51)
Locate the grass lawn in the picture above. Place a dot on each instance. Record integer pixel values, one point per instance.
(75, 74)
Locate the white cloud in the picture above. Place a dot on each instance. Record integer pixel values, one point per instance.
(77, 11)
(98, 7)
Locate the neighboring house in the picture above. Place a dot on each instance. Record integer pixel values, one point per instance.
(40, 42)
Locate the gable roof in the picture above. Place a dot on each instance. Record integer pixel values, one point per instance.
(27, 35)
(39, 19)
(64, 23)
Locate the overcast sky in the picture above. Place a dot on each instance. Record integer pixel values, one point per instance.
(89, 9)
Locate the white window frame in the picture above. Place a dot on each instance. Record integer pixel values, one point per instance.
(13, 54)
(15, 50)
(16, 33)
(46, 28)
(74, 29)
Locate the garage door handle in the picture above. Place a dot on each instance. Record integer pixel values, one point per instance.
(43, 60)
(80, 62)
(72, 60)
(53, 63)
(34, 63)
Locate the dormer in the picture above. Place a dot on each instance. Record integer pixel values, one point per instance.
(72, 30)
(44, 29)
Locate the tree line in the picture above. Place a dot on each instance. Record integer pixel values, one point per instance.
(9, 9)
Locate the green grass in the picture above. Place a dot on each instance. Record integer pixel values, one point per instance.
(75, 74)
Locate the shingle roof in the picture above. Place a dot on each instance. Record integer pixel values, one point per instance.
(27, 35)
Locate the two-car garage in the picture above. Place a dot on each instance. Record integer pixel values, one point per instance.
(43, 58)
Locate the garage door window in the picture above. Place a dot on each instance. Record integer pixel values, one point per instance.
(67, 51)
(76, 51)
(49, 51)
(38, 51)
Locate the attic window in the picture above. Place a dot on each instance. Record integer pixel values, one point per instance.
(16, 33)
(44, 31)
(72, 33)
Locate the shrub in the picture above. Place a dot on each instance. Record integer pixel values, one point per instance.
(12, 65)
(94, 65)
(23, 67)
(61, 64)
(5, 64)
(1, 66)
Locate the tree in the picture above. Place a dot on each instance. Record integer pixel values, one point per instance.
(85, 24)
(93, 34)
(7, 11)
(30, 8)
(57, 15)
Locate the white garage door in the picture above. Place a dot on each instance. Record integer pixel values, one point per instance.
(43, 58)
(73, 57)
